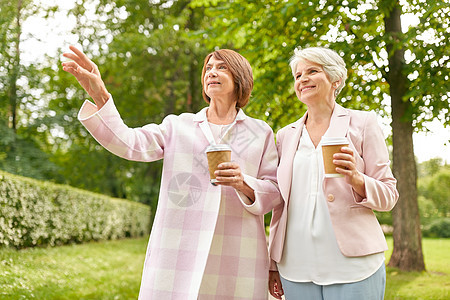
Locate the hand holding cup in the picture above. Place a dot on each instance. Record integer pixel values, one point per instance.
(330, 146)
(346, 166)
(223, 171)
(339, 161)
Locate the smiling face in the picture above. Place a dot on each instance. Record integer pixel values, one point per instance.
(312, 84)
(218, 80)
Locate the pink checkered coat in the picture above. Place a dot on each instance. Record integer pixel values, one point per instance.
(207, 242)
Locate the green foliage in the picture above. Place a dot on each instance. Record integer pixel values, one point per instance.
(434, 199)
(384, 217)
(16, 78)
(436, 187)
(428, 210)
(438, 228)
(151, 65)
(21, 150)
(40, 213)
(266, 32)
(23, 156)
(429, 167)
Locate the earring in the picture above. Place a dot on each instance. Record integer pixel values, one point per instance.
(335, 93)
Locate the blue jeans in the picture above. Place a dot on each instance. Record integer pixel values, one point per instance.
(371, 288)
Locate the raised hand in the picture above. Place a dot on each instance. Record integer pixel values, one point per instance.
(87, 74)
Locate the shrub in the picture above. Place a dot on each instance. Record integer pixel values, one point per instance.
(438, 228)
(36, 213)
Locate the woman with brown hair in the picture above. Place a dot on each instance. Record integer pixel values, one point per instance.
(207, 241)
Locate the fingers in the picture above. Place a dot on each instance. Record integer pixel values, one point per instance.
(229, 174)
(78, 52)
(77, 71)
(232, 180)
(71, 67)
(346, 165)
(275, 287)
(77, 55)
(81, 59)
(345, 159)
(74, 57)
(345, 152)
(228, 165)
(275, 294)
(228, 169)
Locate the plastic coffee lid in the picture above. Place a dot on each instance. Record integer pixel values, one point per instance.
(218, 147)
(329, 140)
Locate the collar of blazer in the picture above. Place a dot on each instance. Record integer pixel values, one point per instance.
(339, 124)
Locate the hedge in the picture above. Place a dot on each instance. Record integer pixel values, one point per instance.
(439, 228)
(35, 213)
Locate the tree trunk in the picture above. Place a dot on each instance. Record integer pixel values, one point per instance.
(194, 97)
(12, 93)
(407, 254)
(192, 91)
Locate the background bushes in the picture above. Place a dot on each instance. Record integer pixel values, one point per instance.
(433, 185)
(36, 213)
(437, 228)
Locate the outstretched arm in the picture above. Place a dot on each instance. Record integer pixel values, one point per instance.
(87, 74)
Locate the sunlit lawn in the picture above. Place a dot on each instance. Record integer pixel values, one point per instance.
(106, 270)
(431, 285)
(112, 270)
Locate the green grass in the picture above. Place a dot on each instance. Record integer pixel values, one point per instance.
(103, 270)
(434, 284)
(112, 270)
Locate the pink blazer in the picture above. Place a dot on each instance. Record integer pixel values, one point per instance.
(357, 230)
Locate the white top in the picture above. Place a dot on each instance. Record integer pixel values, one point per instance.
(219, 131)
(311, 253)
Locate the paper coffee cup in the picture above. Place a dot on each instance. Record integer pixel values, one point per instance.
(330, 146)
(216, 155)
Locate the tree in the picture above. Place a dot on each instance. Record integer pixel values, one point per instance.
(151, 64)
(11, 28)
(407, 253)
(384, 63)
(20, 151)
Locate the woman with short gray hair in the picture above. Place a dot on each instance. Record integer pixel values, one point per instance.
(326, 243)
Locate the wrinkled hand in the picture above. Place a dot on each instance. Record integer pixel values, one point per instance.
(87, 74)
(275, 287)
(229, 174)
(347, 167)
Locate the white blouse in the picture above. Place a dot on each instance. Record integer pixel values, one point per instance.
(311, 253)
(219, 131)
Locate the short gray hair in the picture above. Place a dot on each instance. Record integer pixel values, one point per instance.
(331, 62)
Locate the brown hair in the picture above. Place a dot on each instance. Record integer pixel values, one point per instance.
(240, 70)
